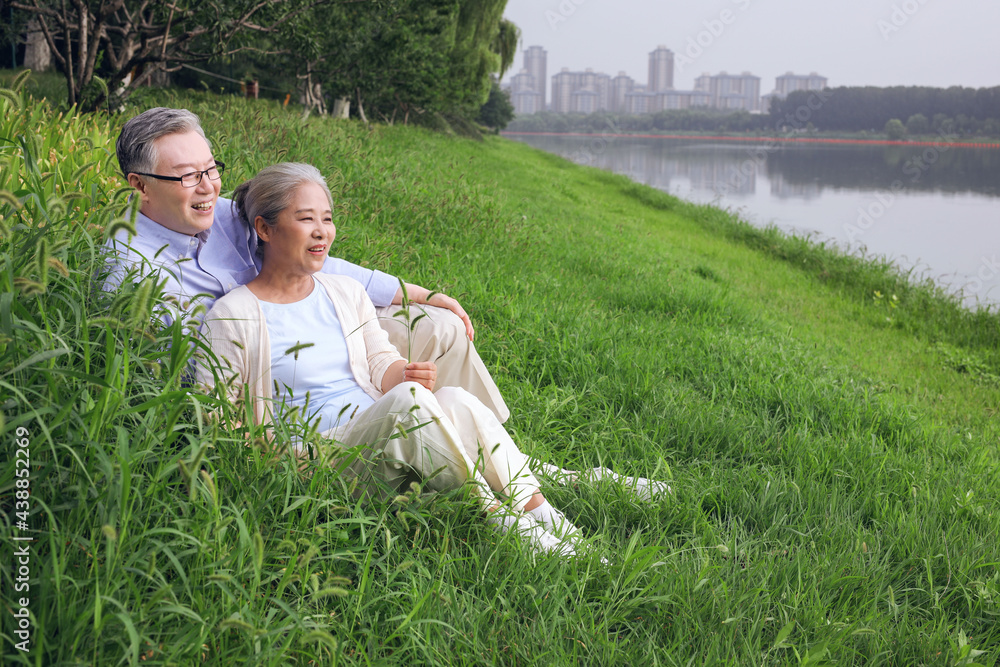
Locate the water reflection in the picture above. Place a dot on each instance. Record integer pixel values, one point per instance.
(932, 209)
(860, 167)
(800, 170)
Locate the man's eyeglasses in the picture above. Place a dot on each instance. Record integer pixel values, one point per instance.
(192, 179)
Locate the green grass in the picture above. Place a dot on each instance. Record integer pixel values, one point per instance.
(835, 473)
(48, 85)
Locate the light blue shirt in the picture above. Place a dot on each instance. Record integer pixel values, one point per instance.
(199, 269)
(310, 365)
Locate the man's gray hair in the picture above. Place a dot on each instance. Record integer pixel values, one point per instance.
(136, 144)
(270, 192)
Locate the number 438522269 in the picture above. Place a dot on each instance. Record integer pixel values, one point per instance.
(22, 461)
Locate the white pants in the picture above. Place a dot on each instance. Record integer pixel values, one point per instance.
(440, 337)
(450, 437)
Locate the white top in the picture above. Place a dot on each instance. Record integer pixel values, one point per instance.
(236, 329)
(310, 366)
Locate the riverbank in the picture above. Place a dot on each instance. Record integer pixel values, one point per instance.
(753, 138)
(829, 428)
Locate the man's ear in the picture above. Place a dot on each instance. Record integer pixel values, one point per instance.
(136, 182)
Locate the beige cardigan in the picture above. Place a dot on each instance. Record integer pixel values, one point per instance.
(236, 331)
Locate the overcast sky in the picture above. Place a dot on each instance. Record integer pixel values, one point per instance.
(851, 42)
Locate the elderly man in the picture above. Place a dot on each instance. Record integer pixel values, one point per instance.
(190, 236)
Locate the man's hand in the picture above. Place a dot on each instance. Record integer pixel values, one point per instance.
(445, 301)
(419, 295)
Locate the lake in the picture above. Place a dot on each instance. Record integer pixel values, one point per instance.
(932, 209)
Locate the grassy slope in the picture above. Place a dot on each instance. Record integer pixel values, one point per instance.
(835, 475)
(845, 327)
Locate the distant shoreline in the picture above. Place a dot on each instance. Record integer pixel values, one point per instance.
(804, 140)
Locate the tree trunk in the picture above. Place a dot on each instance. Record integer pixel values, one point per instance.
(37, 54)
(159, 78)
(312, 94)
(341, 108)
(318, 98)
(361, 108)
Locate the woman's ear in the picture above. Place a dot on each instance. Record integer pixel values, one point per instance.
(262, 229)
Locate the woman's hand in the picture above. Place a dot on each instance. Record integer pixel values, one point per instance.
(421, 372)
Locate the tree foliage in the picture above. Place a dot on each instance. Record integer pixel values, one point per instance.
(505, 44)
(918, 124)
(127, 41)
(392, 58)
(473, 59)
(869, 108)
(894, 129)
(498, 110)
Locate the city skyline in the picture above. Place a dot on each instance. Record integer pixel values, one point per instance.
(853, 42)
(589, 91)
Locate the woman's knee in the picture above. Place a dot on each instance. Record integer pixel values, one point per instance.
(452, 398)
(452, 395)
(441, 333)
(408, 394)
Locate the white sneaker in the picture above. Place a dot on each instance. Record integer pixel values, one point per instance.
(525, 525)
(560, 526)
(544, 541)
(644, 489)
(558, 475)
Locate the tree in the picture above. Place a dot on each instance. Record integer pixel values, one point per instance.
(918, 124)
(390, 58)
(498, 111)
(130, 40)
(473, 57)
(895, 130)
(868, 108)
(505, 44)
(396, 57)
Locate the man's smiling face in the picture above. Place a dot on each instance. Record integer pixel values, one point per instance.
(185, 210)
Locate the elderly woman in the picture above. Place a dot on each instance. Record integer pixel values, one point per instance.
(297, 338)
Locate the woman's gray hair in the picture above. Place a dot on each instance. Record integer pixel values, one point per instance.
(136, 144)
(270, 192)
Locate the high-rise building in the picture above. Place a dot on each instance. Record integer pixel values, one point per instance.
(661, 70)
(584, 100)
(621, 86)
(563, 85)
(524, 94)
(699, 99)
(600, 84)
(789, 83)
(730, 91)
(681, 99)
(639, 101)
(534, 61)
(594, 90)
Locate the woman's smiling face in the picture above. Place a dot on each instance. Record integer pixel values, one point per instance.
(301, 239)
